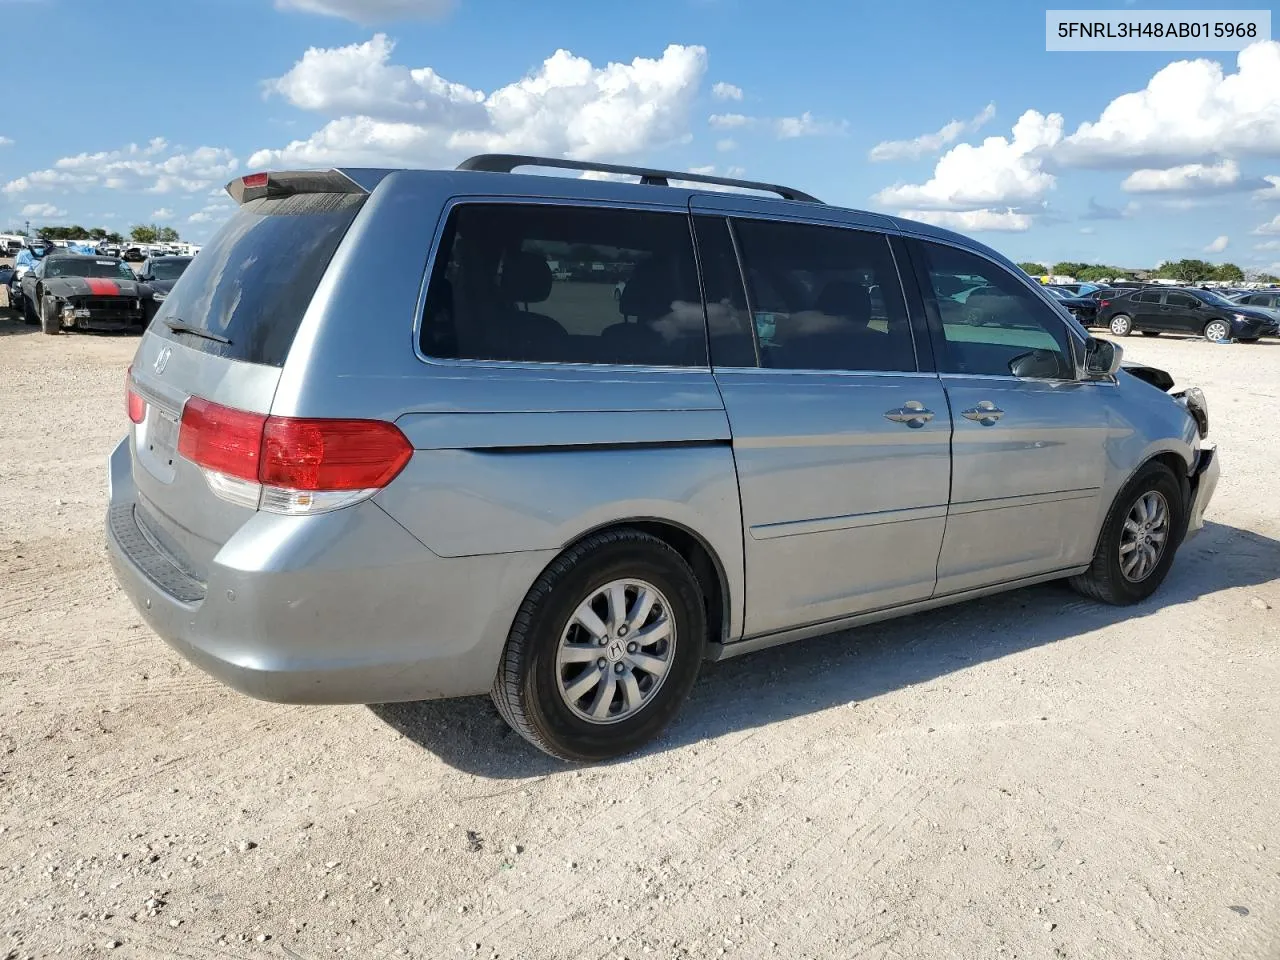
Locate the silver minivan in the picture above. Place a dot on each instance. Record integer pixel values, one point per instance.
(405, 434)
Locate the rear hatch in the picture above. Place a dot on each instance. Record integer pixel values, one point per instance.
(221, 337)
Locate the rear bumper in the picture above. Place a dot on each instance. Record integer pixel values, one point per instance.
(1204, 480)
(345, 607)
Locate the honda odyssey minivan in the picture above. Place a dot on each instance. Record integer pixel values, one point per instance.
(404, 434)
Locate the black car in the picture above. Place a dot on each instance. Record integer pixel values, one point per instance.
(159, 274)
(133, 255)
(1083, 308)
(1156, 310)
(68, 290)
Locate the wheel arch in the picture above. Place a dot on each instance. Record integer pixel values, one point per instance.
(702, 558)
(1177, 464)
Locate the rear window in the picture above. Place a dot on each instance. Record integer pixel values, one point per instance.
(252, 282)
(564, 284)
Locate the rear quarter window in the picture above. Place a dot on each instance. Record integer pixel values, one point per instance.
(253, 281)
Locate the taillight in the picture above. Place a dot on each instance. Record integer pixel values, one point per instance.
(1104, 303)
(133, 404)
(290, 464)
(255, 179)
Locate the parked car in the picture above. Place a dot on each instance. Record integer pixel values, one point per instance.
(74, 291)
(34, 249)
(158, 276)
(351, 479)
(1268, 301)
(1083, 307)
(133, 254)
(1156, 310)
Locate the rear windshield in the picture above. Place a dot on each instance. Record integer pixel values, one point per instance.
(252, 282)
(169, 269)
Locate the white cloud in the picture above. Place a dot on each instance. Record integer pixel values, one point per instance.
(726, 91)
(6, 142)
(804, 125)
(1088, 231)
(999, 172)
(213, 213)
(1199, 177)
(784, 128)
(1098, 211)
(1218, 244)
(371, 11)
(929, 143)
(43, 210)
(973, 221)
(1268, 245)
(725, 145)
(164, 213)
(1269, 193)
(153, 169)
(391, 114)
(1189, 111)
(1271, 226)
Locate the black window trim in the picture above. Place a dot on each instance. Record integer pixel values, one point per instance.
(1075, 344)
(437, 239)
(734, 216)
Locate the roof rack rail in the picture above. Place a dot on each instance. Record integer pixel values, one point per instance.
(506, 162)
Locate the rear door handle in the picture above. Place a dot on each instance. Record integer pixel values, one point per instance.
(985, 413)
(912, 413)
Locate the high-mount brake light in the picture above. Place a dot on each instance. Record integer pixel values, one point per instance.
(255, 179)
(290, 465)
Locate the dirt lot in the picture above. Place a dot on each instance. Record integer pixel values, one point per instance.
(1027, 776)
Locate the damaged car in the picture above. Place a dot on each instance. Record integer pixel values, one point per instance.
(73, 291)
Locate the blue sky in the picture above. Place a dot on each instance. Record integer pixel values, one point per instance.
(949, 112)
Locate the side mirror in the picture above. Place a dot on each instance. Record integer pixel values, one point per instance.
(1102, 358)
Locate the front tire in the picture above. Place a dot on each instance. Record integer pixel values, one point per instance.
(1139, 539)
(1121, 325)
(49, 321)
(1217, 330)
(570, 681)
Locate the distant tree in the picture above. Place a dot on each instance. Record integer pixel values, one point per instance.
(1033, 269)
(1096, 272)
(1229, 273)
(1187, 271)
(1068, 268)
(114, 237)
(98, 233)
(144, 232)
(167, 235)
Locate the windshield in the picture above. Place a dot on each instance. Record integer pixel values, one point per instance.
(1218, 301)
(113, 269)
(168, 269)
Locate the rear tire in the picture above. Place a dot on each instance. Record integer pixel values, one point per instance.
(544, 686)
(49, 321)
(28, 312)
(1107, 580)
(1121, 325)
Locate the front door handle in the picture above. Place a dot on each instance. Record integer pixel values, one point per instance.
(912, 413)
(985, 413)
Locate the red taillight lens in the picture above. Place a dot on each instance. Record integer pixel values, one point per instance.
(255, 179)
(291, 452)
(219, 438)
(133, 404)
(332, 454)
(1104, 303)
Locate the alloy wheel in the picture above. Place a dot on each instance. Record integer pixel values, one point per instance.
(1144, 537)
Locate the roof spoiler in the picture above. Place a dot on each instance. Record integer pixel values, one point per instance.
(506, 162)
(255, 186)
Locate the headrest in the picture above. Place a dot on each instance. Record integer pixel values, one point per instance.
(650, 292)
(844, 298)
(526, 278)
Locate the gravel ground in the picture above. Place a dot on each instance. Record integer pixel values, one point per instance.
(1026, 776)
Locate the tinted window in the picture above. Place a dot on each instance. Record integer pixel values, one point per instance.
(991, 324)
(169, 269)
(565, 284)
(824, 298)
(1150, 296)
(728, 321)
(254, 280)
(1179, 300)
